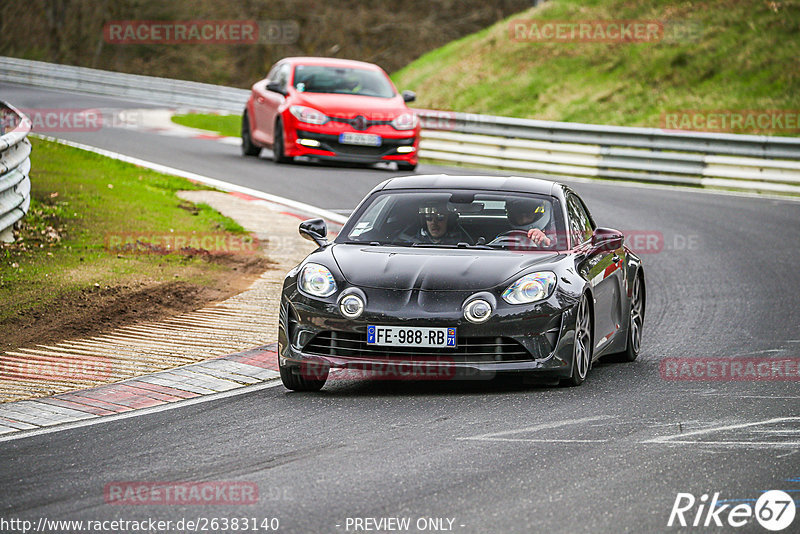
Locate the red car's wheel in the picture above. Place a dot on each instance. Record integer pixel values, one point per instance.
(248, 147)
(278, 150)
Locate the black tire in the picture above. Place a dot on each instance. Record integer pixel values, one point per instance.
(582, 347)
(278, 151)
(248, 148)
(633, 342)
(298, 382)
(405, 166)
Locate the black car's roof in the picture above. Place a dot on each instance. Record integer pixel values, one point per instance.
(495, 183)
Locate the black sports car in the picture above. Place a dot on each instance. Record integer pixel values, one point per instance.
(449, 276)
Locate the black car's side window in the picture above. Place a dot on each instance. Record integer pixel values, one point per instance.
(580, 225)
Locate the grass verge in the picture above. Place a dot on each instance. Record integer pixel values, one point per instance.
(714, 55)
(227, 125)
(62, 271)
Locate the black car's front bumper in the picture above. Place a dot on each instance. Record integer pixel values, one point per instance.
(314, 337)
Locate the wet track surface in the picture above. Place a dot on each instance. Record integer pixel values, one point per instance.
(493, 456)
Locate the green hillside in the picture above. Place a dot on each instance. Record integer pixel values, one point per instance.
(712, 55)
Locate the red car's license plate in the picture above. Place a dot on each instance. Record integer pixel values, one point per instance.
(350, 138)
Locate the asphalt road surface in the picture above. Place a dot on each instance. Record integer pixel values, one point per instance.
(484, 456)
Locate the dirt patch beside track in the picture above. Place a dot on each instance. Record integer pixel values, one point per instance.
(99, 309)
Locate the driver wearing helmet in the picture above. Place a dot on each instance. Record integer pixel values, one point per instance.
(528, 215)
(440, 225)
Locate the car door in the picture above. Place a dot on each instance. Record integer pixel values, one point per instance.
(602, 268)
(267, 102)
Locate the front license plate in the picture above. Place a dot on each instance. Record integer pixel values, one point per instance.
(406, 336)
(350, 138)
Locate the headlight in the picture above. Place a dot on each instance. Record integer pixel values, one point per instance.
(406, 121)
(309, 115)
(317, 280)
(530, 288)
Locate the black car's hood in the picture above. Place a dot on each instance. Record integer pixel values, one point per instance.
(432, 269)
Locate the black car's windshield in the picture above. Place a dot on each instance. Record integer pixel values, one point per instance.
(458, 219)
(341, 80)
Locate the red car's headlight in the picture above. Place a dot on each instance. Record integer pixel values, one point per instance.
(309, 115)
(406, 121)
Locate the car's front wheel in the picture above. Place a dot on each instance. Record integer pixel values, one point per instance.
(304, 380)
(278, 150)
(248, 147)
(582, 348)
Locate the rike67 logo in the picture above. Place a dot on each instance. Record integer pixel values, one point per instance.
(774, 510)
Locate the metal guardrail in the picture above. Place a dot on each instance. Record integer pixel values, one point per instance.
(145, 89)
(745, 162)
(748, 162)
(15, 165)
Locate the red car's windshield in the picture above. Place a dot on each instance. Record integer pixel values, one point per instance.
(341, 80)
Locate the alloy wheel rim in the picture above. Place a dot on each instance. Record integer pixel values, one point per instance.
(582, 339)
(636, 316)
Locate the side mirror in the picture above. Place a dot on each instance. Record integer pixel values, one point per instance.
(276, 87)
(606, 239)
(315, 230)
(409, 96)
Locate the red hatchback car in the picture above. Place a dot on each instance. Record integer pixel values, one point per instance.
(330, 109)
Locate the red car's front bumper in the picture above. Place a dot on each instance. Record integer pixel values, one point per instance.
(396, 145)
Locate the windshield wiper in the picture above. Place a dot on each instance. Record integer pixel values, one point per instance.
(479, 246)
(460, 245)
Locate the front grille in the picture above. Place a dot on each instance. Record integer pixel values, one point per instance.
(470, 349)
(357, 150)
(359, 123)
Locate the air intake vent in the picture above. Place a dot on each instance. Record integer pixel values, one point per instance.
(469, 350)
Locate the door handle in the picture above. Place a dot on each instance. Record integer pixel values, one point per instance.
(260, 99)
